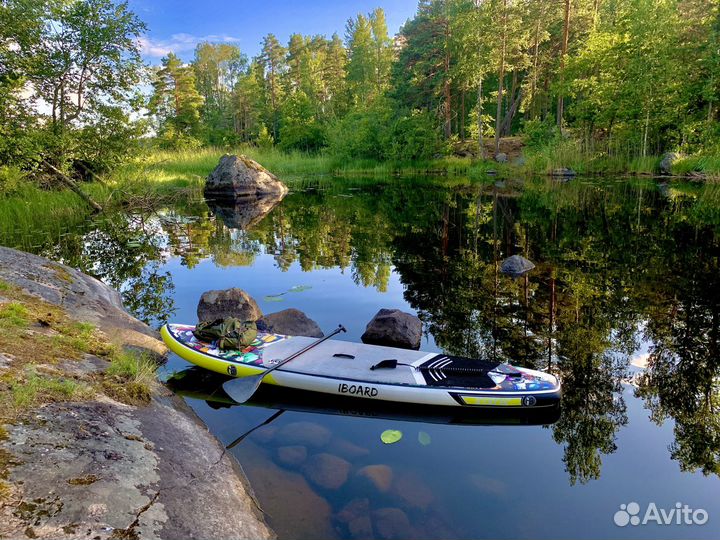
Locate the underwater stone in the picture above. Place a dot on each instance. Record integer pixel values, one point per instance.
(380, 476)
(291, 456)
(391, 523)
(303, 433)
(326, 471)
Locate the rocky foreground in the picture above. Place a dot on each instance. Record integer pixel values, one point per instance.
(87, 465)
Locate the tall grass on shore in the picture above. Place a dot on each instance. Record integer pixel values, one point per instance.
(569, 153)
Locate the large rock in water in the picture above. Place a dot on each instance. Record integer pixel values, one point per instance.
(394, 328)
(667, 162)
(240, 176)
(516, 266)
(228, 303)
(291, 322)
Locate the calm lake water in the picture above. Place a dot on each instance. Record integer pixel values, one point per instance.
(624, 304)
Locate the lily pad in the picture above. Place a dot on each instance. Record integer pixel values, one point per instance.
(300, 288)
(391, 436)
(424, 438)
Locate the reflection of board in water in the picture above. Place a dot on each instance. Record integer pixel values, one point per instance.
(196, 383)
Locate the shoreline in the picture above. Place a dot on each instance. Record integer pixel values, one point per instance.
(82, 459)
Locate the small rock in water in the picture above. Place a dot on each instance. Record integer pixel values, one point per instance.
(412, 491)
(391, 523)
(394, 328)
(291, 322)
(346, 449)
(501, 157)
(353, 510)
(326, 471)
(291, 456)
(563, 172)
(516, 266)
(228, 303)
(379, 476)
(360, 527)
(303, 433)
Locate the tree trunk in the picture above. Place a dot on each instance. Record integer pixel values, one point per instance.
(645, 133)
(507, 122)
(481, 142)
(501, 76)
(446, 89)
(536, 55)
(566, 32)
(462, 115)
(72, 185)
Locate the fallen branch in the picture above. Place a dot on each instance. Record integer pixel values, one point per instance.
(69, 182)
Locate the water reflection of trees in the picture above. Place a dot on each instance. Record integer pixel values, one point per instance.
(682, 381)
(610, 259)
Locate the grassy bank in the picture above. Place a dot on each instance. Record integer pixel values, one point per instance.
(569, 153)
(41, 341)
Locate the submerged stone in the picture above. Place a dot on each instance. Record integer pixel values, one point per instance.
(326, 471)
(291, 456)
(379, 476)
(303, 433)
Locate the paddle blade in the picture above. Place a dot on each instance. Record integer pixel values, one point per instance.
(242, 388)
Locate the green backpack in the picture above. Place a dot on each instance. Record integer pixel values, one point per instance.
(229, 333)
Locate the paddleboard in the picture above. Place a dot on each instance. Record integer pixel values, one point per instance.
(343, 368)
(200, 384)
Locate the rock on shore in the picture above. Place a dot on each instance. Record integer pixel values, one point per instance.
(97, 468)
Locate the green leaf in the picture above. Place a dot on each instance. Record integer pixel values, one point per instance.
(300, 288)
(424, 438)
(390, 436)
(273, 298)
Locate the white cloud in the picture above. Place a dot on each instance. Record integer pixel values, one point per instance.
(179, 43)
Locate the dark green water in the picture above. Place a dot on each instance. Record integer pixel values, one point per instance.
(624, 304)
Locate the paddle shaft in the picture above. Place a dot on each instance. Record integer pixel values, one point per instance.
(294, 355)
(243, 388)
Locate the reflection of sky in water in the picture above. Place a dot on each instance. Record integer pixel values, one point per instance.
(486, 481)
(332, 299)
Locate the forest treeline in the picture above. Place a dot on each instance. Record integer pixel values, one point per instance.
(621, 78)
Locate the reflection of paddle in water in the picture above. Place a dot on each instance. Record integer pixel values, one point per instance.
(278, 297)
(265, 423)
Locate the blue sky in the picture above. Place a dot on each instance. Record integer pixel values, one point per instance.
(180, 25)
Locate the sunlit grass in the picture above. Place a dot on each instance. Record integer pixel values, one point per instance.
(32, 388)
(130, 377)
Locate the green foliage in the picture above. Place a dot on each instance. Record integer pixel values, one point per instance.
(540, 133)
(11, 180)
(362, 133)
(414, 137)
(301, 129)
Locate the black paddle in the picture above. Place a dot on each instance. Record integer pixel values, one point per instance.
(243, 388)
